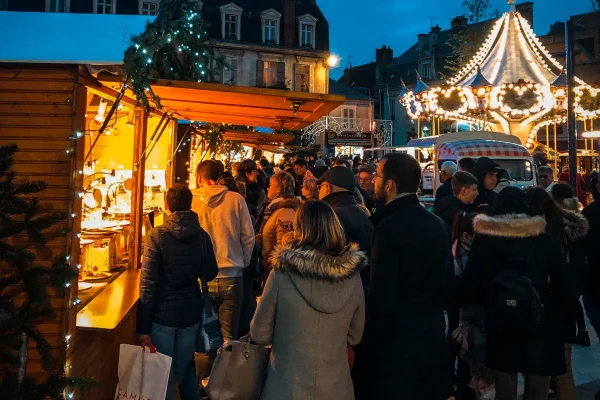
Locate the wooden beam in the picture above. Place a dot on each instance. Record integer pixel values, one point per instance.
(137, 194)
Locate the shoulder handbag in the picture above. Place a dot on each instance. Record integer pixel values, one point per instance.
(210, 336)
(239, 371)
(256, 267)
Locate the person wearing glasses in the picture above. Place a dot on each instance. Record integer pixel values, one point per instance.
(546, 177)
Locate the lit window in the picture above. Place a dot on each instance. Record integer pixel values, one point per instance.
(348, 115)
(302, 83)
(149, 8)
(270, 74)
(231, 22)
(270, 31)
(105, 6)
(307, 34)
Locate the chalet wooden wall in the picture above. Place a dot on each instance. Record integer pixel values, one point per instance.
(41, 108)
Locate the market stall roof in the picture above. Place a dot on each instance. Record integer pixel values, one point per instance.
(257, 137)
(240, 105)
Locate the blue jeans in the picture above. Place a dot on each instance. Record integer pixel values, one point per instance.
(592, 309)
(178, 343)
(228, 294)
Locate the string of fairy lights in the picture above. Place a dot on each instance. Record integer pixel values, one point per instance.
(76, 174)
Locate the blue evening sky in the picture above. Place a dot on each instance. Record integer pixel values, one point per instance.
(358, 27)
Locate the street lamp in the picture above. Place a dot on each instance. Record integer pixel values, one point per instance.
(333, 61)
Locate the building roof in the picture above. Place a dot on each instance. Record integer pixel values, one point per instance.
(349, 93)
(251, 29)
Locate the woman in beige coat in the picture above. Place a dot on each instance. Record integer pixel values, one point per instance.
(279, 215)
(312, 308)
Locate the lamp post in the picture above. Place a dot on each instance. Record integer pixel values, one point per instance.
(481, 89)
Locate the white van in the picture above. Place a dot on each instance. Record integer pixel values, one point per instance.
(504, 149)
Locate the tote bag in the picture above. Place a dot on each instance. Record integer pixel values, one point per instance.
(239, 371)
(142, 374)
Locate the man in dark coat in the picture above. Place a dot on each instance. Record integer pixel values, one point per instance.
(447, 170)
(405, 340)
(336, 187)
(464, 193)
(487, 173)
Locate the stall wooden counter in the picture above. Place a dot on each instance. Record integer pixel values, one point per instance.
(112, 305)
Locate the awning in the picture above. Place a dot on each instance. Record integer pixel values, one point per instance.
(257, 138)
(240, 105)
(423, 143)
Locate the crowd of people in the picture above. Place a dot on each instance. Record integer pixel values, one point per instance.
(365, 293)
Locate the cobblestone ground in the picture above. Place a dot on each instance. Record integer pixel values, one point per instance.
(586, 368)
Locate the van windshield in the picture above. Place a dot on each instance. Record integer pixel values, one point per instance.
(516, 169)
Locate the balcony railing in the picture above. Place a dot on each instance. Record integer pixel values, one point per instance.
(381, 129)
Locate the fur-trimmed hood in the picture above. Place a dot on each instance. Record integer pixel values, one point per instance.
(324, 281)
(509, 226)
(576, 225)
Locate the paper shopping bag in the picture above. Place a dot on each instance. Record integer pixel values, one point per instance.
(142, 375)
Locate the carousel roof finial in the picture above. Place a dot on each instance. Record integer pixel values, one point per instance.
(421, 86)
(512, 4)
(479, 79)
(561, 80)
(404, 89)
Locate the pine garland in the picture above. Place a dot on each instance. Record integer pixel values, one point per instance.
(24, 299)
(173, 46)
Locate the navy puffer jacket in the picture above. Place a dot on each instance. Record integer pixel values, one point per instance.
(176, 255)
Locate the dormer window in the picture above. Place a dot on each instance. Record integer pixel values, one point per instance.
(270, 26)
(307, 27)
(148, 7)
(231, 16)
(105, 6)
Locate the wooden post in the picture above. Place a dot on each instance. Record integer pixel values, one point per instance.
(137, 193)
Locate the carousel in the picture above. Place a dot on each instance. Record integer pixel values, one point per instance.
(512, 85)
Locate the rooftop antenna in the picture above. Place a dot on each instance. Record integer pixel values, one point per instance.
(349, 62)
(431, 22)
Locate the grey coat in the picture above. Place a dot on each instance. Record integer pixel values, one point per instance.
(312, 307)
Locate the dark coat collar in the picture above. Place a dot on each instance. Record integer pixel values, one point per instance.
(410, 200)
(340, 199)
(311, 263)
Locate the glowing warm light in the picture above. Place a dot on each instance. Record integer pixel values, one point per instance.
(591, 134)
(333, 61)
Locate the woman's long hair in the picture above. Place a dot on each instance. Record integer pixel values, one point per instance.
(541, 203)
(463, 223)
(317, 226)
(511, 200)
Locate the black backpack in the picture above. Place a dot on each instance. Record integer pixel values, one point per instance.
(513, 305)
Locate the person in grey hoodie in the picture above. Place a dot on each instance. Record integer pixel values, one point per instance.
(225, 216)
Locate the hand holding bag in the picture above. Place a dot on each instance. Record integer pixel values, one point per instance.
(210, 336)
(142, 374)
(239, 371)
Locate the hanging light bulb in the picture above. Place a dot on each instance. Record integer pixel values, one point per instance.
(101, 116)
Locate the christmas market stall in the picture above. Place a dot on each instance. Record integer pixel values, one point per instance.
(106, 149)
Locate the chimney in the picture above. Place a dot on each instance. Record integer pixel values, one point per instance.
(422, 37)
(384, 55)
(526, 10)
(289, 22)
(459, 22)
(433, 38)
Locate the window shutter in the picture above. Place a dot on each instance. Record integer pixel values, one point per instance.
(260, 73)
(281, 74)
(217, 71)
(297, 77)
